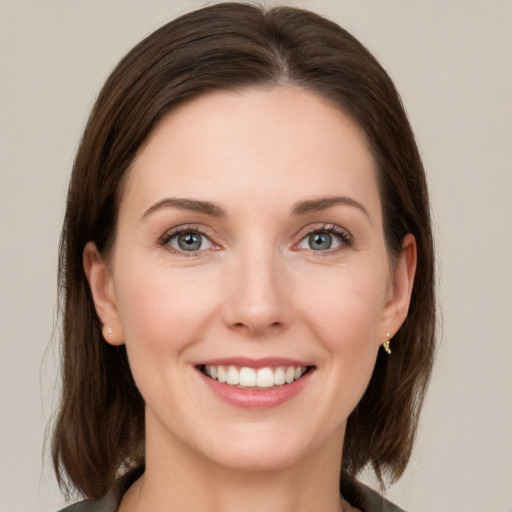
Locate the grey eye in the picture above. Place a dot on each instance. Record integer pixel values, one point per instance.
(320, 241)
(190, 241)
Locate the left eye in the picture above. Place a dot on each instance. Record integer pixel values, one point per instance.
(320, 241)
(190, 241)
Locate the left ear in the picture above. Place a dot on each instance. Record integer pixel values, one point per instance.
(402, 280)
(103, 294)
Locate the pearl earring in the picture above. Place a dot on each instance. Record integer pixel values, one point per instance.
(386, 345)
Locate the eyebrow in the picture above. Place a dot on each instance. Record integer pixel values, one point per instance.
(214, 210)
(323, 203)
(192, 205)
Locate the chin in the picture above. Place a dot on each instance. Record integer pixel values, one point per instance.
(257, 457)
(265, 448)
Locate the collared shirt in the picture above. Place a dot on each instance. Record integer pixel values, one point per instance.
(357, 494)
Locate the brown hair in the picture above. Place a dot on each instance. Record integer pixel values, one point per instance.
(100, 428)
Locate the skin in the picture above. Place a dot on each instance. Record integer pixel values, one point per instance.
(256, 289)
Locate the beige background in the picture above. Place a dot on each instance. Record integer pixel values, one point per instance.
(450, 59)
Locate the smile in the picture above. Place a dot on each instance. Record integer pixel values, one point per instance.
(255, 383)
(254, 378)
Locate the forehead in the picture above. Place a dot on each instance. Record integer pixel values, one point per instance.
(272, 144)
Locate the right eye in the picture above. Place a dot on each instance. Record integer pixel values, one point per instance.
(188, 241)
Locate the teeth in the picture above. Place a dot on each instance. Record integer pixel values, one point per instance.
(247, 377)
(251, 378)
(221, 374)
(233, 377)
(265, 378)
(279, 377)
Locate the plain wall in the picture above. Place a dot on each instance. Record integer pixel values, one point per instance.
(451, 61)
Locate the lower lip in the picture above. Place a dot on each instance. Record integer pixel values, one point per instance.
(256, 398)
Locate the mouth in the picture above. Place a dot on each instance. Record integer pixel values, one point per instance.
(255, 383)
(246, 377)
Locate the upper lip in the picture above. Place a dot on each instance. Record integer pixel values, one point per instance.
(248, 362)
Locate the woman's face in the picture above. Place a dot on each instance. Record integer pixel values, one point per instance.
(250, 248)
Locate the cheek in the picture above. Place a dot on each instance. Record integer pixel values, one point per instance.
(162, 314)
(346, 306)
(342, 312)
(162, 310)
(345, 314)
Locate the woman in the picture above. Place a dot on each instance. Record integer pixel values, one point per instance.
(246, 271)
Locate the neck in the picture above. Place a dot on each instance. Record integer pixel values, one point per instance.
(181, 480)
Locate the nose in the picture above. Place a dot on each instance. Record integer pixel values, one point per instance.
(256, 302)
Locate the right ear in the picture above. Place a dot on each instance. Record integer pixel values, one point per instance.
(103, 294)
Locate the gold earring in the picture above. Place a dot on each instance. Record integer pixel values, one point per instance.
(386, 345)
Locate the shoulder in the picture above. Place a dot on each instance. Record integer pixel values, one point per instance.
(365, 499)
(110, 502)
(101, 505)
(375, 502)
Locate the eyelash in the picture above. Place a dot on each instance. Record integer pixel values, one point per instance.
(345, 239)
(181, 230)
